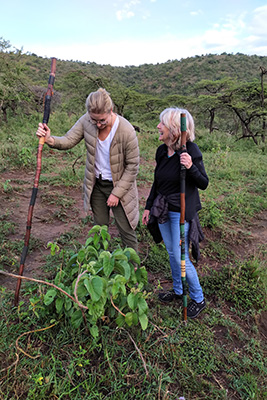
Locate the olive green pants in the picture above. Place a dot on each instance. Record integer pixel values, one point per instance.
(101, 211)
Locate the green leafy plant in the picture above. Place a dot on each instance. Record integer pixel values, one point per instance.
(25, 156)
(105, 285)
(7, 186)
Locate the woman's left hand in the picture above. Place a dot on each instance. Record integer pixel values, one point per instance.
(112, 201)
(186, 160)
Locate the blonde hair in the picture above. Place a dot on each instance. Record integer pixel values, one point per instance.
(171, 118)
(99, 102)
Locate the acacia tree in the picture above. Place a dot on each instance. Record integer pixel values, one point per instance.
(75, 87)
(14, 85)
(244, 100)
(209, 100)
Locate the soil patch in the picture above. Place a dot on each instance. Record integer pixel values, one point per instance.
(59, 210)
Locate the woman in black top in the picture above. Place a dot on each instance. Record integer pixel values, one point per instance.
(164, 200)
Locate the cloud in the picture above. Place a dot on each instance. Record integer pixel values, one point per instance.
(258, 23)
(126, 11)
(196, 13)
(255, 40)
(122, 14)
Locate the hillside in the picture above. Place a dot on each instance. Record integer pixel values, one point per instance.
(172, 77)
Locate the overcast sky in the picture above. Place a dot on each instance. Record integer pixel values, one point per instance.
(134, 32)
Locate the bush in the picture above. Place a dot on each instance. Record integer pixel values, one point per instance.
(101, 285)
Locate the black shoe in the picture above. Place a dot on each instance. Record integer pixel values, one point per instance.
(195, 308)
(170, 295)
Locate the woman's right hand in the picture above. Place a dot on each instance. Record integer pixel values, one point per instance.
(145, 217)
(44, 131)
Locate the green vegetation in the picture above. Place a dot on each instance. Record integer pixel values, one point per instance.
(99, 283)
(125, 345)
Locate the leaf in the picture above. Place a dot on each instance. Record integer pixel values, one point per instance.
(95, 229)
(119, 254)
(105, 244)
(49, 296)
(92, 251)
(107, 263)
(142, 305)
(141, 275)
(95, 288)
(104, 234)
(81, 255)
(81, 291)
(115, 288)
(68, 303)
(129, 318)
(132, 255)
(72, 260)
(94, 331)
(88, 241)
(59, 277)
(76, 318)
(87, 284)
(132, 301)
(126, 268)
(119, 285)
(59, 304)
(135, 319)
(143, 321)
(96, 240)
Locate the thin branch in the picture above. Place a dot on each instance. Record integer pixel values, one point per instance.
(44, 283)
(116, 308)
(139, 352)
(10, 366)
(27, 333)
(73, 165)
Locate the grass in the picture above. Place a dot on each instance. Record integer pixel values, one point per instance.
(219, 356)
(189, 361)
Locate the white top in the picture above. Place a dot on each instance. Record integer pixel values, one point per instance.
(102, 162)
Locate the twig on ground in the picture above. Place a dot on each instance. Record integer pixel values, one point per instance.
(73, 165)
(27, 333)
(139, 352)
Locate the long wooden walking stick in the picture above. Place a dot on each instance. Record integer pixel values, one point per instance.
(46, 115)
(182, 216)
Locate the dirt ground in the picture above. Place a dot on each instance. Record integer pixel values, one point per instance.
(59, 210)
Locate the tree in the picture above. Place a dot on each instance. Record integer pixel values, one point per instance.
(75, 87)
(245, 101)
(14, 84)
(209, 98)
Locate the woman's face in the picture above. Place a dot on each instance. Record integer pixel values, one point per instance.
(101, 120)
(164, 133)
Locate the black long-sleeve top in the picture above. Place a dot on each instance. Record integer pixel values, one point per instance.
(167, 179)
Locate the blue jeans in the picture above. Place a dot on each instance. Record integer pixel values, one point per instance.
(170, 232)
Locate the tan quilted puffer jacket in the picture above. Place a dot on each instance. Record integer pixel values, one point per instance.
(124, 162)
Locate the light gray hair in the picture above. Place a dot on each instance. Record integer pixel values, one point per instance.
(171, 118)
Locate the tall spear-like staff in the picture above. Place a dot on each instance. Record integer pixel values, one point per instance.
(182, 216)
(46, 115)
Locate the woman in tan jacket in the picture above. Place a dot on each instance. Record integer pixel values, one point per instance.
(111, 165)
